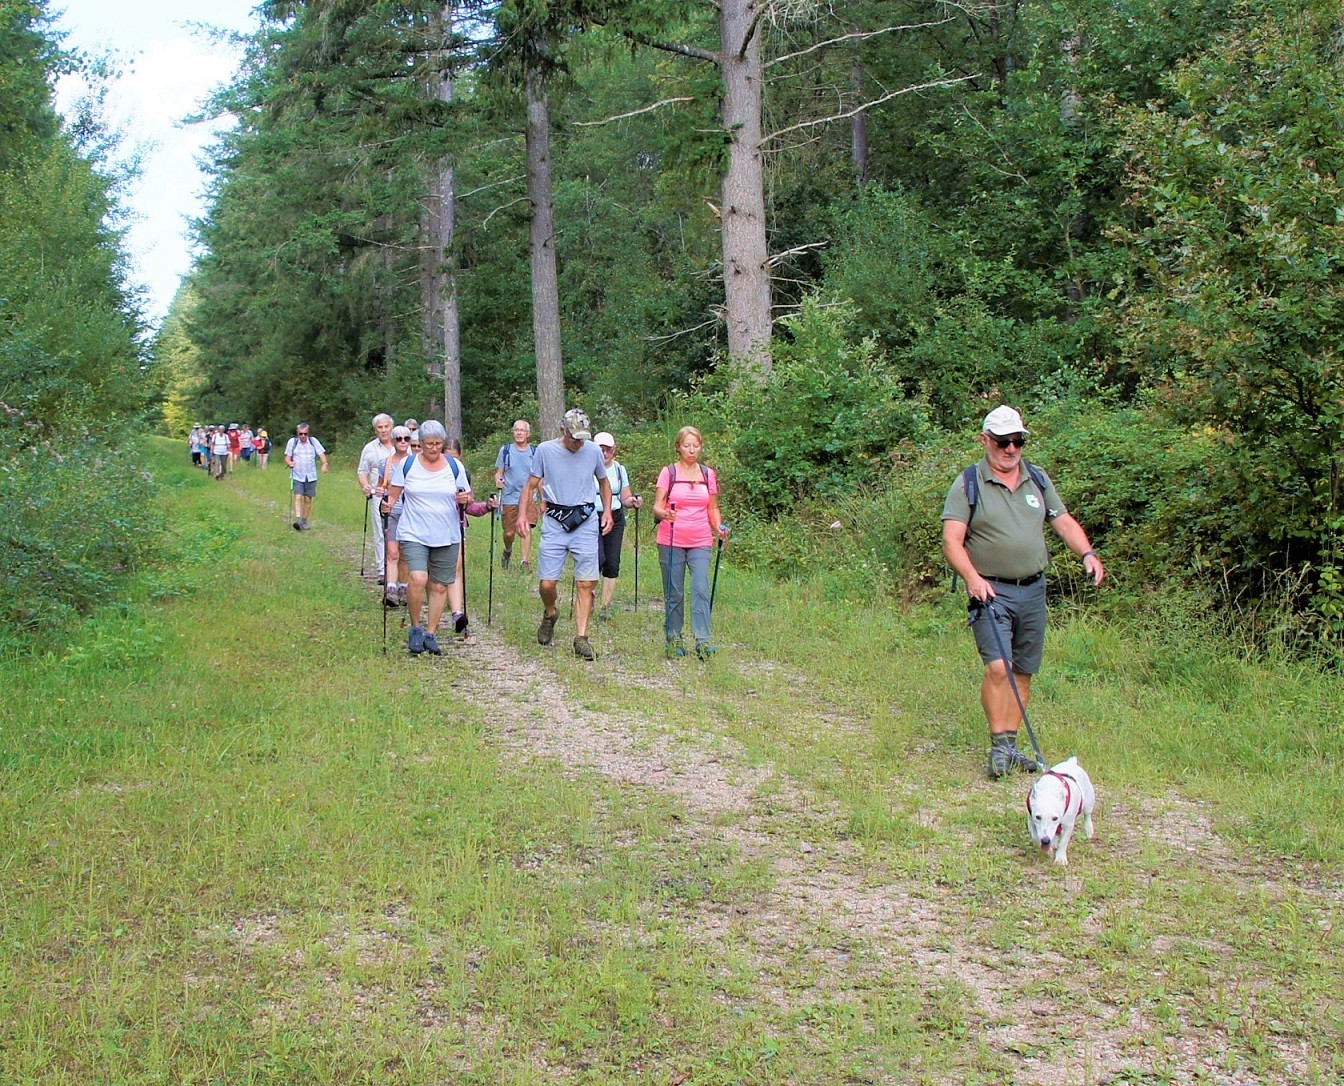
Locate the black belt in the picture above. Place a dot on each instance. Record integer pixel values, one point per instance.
(1021, 582)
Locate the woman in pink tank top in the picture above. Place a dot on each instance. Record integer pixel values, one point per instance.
(687, 507)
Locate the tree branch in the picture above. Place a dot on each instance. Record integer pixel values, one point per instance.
(504, 207)
(492, 185)
(868, 105)
(692, 51)
(684, 332)
(779, 258)
(632, 113)
(751, 30)
(858, 35)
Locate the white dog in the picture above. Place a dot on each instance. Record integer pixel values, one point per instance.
(1056, 800)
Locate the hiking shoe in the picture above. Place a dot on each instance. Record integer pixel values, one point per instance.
(460, 621)
(431, 645)
(415, 643)
(547, 629)
(604, 614)
(401, 595)
(583, 649)
(1023, 763)
(504, 561)
(298, 524)
(303, 524)
(705, 650)
(525, 566)
(390, 599)
(674, 648)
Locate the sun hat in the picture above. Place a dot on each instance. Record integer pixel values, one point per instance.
(606, 439)
(1003, 420)
(576, 424)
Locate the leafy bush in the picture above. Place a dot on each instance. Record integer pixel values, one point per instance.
(827, 419)
(79, 516)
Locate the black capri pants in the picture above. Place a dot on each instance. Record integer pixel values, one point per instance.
(609, 546)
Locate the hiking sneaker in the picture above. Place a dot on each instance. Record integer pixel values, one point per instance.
(415, 643)
(705, 650)
(390, 598)
(504, 562)
(584, 649)
(547, 629)
(525, 566)
(298, 524)
(401, 595)
(431, 645)
(604, 613)
(459, 621)
(1023, 763)
(674, 648)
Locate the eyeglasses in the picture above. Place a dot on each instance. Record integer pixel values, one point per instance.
(415, 444)
(1017, 441)
(401, 439)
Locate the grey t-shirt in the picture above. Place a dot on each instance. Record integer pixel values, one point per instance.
(517, 465)
(568, 475)
(1007, 537)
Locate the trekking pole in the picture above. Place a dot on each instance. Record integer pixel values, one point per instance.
(636, 559)
(573, 591)
(384, 607)
(461, 623)
(988, 608)
(490, 592)
(714, 586)
(364, 546)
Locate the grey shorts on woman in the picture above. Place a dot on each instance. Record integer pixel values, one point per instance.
(439, 562)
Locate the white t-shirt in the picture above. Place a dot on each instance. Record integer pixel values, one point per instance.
(429, 512)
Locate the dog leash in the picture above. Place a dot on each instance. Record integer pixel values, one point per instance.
(988, 606)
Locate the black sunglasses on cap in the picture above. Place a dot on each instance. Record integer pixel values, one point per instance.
(1018, 441)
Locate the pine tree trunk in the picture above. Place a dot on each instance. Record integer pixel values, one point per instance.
(858, 132)
(440, 316)
(746, 258)
(545, 280)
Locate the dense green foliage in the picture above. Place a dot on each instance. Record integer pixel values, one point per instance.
(70, 370)
(1123, 219)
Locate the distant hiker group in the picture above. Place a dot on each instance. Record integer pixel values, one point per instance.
(218, 447)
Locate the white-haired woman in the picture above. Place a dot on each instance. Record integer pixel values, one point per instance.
(431, 487)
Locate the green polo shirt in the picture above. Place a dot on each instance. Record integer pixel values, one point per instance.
(1007, 534)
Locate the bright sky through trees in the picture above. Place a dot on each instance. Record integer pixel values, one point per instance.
(167, 69)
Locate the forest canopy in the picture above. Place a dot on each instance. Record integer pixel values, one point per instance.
(1122, 217)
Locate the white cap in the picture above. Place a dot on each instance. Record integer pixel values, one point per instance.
(1003, 420)
(604, 438)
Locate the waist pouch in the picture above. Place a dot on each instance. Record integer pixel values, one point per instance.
(570, 517)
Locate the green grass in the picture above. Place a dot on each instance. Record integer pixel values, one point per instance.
(242, 845)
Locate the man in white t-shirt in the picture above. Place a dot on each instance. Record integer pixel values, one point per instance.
(370, 475)
(302, 453)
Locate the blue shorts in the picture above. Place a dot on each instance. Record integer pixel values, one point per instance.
(556, 544)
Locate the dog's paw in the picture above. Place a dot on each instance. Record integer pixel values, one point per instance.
(1062, 858)
(1089, 829)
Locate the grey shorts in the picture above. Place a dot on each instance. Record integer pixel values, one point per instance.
(556, 544)
(390, 532)
(1019, 615)
(439, 562)
(307, 490)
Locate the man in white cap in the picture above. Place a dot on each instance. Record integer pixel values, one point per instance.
(993, 536)
(564, 470)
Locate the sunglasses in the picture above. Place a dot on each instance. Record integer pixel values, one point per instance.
(401, 439)
(1017, 441)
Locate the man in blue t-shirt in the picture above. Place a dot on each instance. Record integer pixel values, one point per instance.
(564, 470)
(513, 466)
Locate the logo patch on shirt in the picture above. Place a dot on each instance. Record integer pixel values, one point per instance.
(1033, 501)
